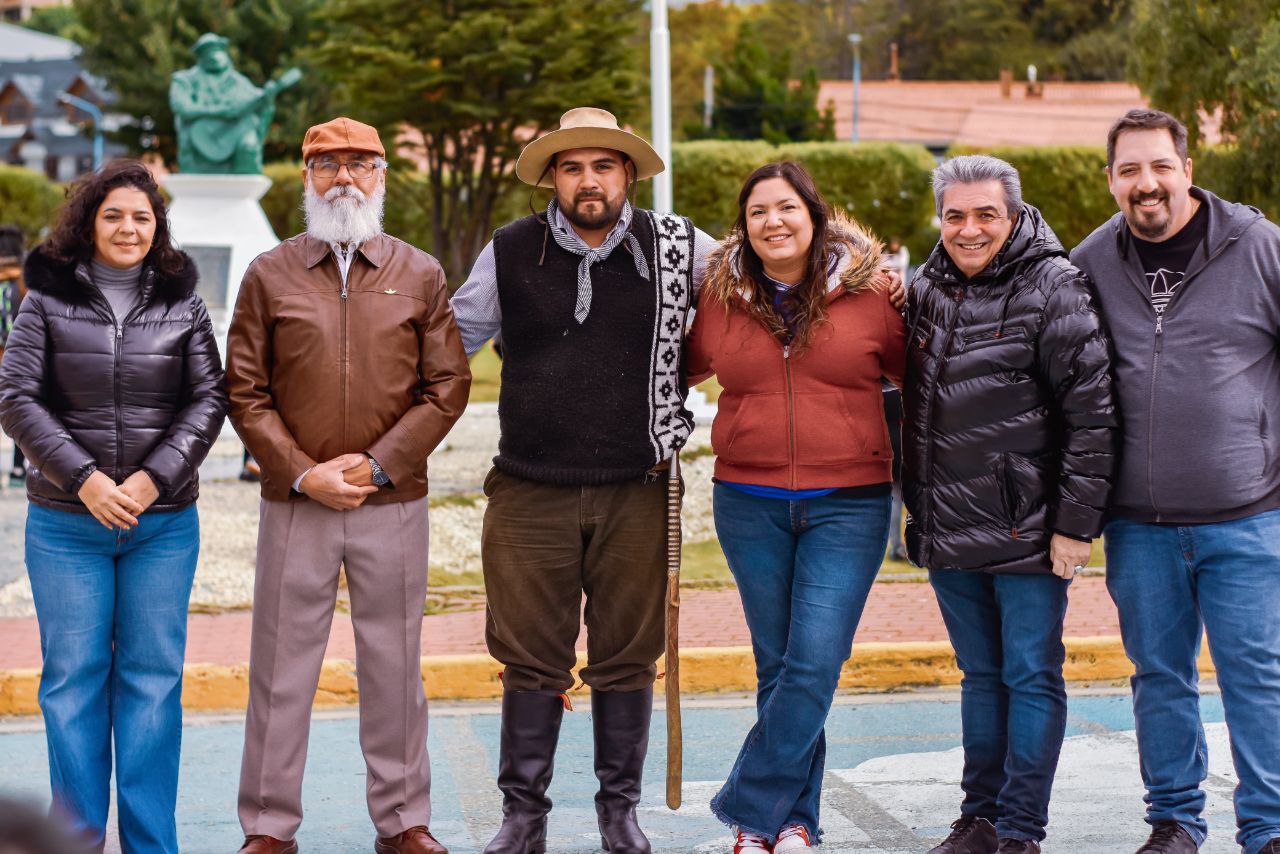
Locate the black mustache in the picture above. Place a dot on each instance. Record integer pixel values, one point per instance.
(1138, 198)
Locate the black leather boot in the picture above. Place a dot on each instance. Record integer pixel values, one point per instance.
(621, 723)
(527, 752)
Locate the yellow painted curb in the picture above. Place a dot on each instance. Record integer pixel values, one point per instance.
(871, 667)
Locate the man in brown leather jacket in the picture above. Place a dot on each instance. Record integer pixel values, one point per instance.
(345, 370)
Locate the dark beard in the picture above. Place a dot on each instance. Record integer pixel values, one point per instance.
(1149, 229)
(609, 214)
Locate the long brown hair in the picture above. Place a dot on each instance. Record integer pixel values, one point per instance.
(810, 293)
(72, 236)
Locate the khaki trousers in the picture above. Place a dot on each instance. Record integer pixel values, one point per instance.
(301, 545)
(543, 547)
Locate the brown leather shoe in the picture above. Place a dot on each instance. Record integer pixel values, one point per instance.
(415, 840)
(969, 835)
(268, 845)
(1168, 837)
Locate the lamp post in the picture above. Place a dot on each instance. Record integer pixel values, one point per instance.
(660, 97)
(96, 114)
(855, 39)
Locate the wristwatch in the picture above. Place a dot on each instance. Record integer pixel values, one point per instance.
(379, 476)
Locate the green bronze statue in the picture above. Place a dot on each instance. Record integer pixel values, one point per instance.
(222, 118)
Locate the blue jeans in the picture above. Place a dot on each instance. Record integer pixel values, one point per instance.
(112, 607)
(804, 569)
(1172, 583)
(1007, 634)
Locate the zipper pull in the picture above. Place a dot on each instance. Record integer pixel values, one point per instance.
(1159, 324)
(786, 351)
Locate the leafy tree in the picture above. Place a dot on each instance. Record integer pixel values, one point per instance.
(54, 20)
(701, 34)
(963, 39)
(756, 99)
(476, 79)
(1195, 58)
(137, 44)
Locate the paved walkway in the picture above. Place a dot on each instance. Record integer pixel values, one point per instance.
(891, 786)
(897, 611)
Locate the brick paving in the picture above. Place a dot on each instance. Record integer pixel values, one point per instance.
(895, 612)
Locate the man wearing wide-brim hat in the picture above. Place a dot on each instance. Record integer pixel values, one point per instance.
(591, 299)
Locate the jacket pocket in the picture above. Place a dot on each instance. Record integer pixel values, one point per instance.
(758, 434)
(1024, 486)
(827, 433)
(989, 337)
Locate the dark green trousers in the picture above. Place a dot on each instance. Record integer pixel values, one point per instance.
(544, 546)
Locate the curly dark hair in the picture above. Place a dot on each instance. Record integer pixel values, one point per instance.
(72, 237)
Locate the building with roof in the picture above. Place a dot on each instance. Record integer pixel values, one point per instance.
(37, 130)
(19, 10)
(984, 113)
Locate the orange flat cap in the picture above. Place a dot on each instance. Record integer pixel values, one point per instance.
(341, 134)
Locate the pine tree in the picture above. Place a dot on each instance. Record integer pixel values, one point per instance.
(477, 79)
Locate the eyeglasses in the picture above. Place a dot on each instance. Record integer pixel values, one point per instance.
(357, 169)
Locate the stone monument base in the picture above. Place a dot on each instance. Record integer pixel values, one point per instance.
(218, 221)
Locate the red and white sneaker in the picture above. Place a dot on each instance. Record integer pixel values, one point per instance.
(793, 839)
(748, 841)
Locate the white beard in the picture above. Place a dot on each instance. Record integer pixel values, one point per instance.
(344, 214)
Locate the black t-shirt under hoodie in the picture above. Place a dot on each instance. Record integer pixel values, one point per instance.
(1166, 262)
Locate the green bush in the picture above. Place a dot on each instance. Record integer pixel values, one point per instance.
(283, 202)
(707, 177)
(1068, 183)
(885, 186)
(27, 200)
(1220, 169)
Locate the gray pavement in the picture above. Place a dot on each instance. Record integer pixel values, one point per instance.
(891, 785)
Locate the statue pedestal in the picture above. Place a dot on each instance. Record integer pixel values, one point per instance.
(217, 220)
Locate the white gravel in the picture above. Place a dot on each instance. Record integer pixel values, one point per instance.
(229, 514)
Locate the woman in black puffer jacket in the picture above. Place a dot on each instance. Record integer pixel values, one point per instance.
(112, 385)
(1008, 441)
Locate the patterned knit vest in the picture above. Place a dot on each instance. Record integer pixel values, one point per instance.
(601, 401)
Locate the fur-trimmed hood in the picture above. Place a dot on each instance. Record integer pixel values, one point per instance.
(70, 281)
(860, 256)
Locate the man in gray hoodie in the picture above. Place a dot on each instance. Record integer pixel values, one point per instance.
(1189, 286)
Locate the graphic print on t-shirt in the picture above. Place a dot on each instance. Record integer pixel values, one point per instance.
(1163, 283)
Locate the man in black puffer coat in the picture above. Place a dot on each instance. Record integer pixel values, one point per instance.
(1008, 444)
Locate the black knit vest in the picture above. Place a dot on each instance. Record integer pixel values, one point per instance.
(579, 402)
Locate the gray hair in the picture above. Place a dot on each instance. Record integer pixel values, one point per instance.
(975, 169)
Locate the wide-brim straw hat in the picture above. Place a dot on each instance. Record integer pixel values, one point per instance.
(585, 127)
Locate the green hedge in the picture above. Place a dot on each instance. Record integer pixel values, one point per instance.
(1220, 169)
(1068, 183)
(27, 200)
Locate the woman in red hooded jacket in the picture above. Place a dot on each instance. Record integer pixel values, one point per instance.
(795, 325)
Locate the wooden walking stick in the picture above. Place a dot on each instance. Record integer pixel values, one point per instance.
(675, 737)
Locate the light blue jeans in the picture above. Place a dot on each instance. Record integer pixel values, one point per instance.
(804, 570)
(1170, 584)
(112, 607)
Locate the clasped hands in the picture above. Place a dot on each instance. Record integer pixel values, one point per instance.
(118, 506)
(341, 483)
